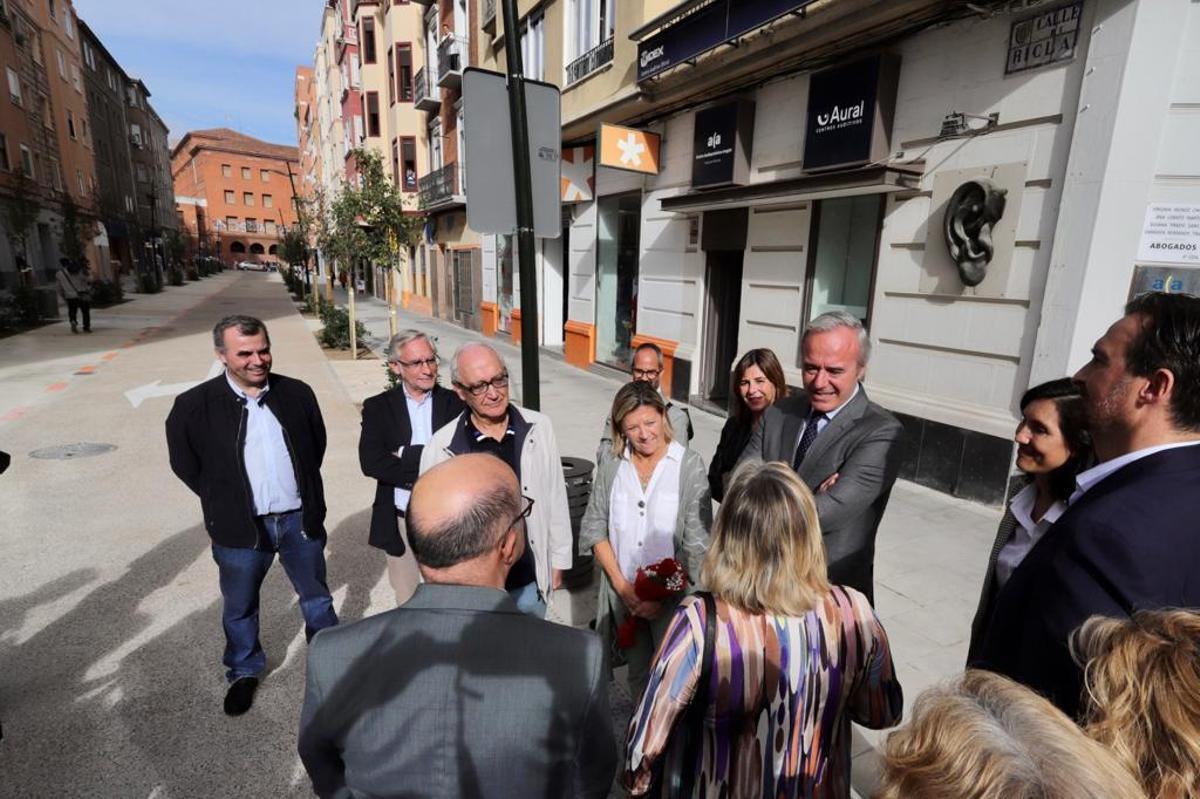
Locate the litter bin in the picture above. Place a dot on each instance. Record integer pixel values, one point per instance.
(578, 475)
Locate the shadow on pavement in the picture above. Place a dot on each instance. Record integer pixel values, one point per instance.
(154, 725)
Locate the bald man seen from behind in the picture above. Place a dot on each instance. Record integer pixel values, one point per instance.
(457, 692)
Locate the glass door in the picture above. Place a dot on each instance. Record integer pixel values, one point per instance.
(617, 245)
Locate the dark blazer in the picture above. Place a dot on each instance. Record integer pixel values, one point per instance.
(860, 444)
(734, 438)
(1130, 543)
(206, 433)
(457, 693)
(385, 428)
(987, 594)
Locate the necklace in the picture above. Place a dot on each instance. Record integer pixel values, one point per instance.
(644, 465)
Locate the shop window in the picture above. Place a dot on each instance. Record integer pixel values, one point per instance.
(844, 250)
(617, 245)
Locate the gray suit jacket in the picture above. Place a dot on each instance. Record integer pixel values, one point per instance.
(860, 445)
(457, 693)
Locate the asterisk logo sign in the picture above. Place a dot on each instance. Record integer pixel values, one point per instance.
(631, 150)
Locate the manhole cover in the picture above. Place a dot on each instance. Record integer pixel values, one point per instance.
(64, 452)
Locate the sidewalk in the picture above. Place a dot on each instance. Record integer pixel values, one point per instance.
(930, 553)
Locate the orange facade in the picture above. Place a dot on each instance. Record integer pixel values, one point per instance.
(234, 193)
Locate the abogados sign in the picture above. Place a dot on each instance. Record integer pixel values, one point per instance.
(850, 111)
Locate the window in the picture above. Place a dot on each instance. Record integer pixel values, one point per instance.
(404, 72)
(226, 171)
(56, 174)
(268, 201)
(372, 113)
(27, 162)
(533, 46)
(142, 175)
(83, 128)
(135, 135)
(53, 10)
(269, 227)
(14, 86)
(62, 64)
(4, 162)
(248, 199)
(391, 69)
(231, 222)
(264, 175)
(251, 225)
(77, 78)
(71, 125)
(68, 24)
(589, 22)
(89, 56)
(230, 198)
(245, 173)
(368, 40)
(82, 182)
(408, 162)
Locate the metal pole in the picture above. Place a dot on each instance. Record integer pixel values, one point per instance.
(300, 220)
(530, 382)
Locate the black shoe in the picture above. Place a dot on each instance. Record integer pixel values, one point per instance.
(240, 695)
(74, 328)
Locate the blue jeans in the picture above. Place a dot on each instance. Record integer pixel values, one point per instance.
(529, 600)
(242, 572)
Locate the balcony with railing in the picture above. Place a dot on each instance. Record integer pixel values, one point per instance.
(426, 94)
(452, 57)
(590, 61)
(441, 189)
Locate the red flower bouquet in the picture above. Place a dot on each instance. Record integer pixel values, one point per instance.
(656, 582)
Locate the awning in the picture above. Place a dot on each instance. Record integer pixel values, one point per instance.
(841, 183)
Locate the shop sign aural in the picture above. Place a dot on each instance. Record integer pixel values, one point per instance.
(850, 111)
(721, 144)
(1046, 38)
(1171, 234)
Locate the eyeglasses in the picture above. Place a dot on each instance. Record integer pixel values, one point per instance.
(643, 374)
(525, 513)
(431, 362)
(479, 389)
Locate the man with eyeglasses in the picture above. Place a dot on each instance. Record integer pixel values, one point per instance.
(396, 426)
(456, 692)
(525, 440)
(647, 366)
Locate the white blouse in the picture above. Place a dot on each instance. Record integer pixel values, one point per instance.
(641, 523)
(1027, 532)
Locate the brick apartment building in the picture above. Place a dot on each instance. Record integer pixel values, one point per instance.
(234, 193)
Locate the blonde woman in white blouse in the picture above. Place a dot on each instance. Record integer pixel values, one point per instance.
(650, 502)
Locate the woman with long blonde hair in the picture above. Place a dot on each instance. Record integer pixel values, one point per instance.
(1142, 677)
(793, 659)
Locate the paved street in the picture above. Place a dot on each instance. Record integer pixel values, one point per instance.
(110, 676)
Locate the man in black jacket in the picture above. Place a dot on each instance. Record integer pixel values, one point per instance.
(250, 445)
(396, 426)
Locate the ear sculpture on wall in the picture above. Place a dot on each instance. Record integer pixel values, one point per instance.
(971, 215)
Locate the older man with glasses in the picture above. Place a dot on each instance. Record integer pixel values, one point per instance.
(396, 426)
(524, 440)
(646, 366)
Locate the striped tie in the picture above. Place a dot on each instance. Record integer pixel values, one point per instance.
(807, 438)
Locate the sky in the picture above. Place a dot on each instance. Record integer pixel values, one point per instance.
(215, 63)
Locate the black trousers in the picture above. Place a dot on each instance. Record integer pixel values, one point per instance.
(74, 306)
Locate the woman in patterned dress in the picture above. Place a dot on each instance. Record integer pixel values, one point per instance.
(795, 660)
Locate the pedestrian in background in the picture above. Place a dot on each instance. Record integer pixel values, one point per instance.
(1053, 447)
(986, 737)
(758, 382)
(646, 366)
(1143, 690)
(525, 440)
(396, 426)
(250, 443)
(794, 659)
(76, 290)
(649, 502)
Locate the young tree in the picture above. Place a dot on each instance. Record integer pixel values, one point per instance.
(77, 231)
(22, 204)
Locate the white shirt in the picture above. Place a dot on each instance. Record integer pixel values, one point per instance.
(420, 419)
(1027, 532)
(641, 523)
(1085, 481)
(269, 467)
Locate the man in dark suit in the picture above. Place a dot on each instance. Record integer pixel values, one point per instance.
(396, 426)
(457, 692)
(1127, 540)
(842, 445)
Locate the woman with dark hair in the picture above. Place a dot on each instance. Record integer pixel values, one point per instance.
(1053, 446)
(757, 383)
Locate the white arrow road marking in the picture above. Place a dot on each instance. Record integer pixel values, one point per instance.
(137, 396)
